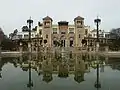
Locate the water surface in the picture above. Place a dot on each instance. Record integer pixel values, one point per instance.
(59, 72)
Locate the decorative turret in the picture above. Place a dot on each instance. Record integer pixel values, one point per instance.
(79, 30)
(78, 18)
(47, 30)
(79, 22)
(47, 22)
(47, 18)
(63, 25)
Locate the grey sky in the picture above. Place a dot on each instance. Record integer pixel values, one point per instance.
(14, 13)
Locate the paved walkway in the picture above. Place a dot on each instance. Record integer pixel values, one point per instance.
(110, 53)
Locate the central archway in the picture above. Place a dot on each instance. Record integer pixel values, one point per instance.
(62, 41)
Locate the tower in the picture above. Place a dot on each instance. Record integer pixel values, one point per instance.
(47, 31)
(79, 31)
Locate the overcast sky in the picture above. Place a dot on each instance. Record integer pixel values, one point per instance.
(14, 13)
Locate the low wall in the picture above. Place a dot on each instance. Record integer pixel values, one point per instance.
(10, 54)
(17, 54)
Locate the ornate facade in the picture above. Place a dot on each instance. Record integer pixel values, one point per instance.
(63, 34)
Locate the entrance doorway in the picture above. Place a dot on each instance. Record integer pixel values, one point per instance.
(71, 43)
(63, 43)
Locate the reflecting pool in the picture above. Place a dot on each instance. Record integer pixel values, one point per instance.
(66, 71)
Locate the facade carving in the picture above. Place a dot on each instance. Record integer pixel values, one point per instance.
(63, 34)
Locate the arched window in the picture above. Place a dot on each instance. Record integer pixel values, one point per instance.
(47, 24)
(79, 35)
(40, 31)
(45, 41)
(46, 36)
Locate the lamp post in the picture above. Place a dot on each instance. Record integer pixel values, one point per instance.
(30, 22)
(97, 22)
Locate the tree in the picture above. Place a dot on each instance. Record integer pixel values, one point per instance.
(115, 36)
(115, 45)
(1, 34)
(34, 29)
(11, 35)
(15, 31)
(8, 44)
(115, 33)
(25, 29)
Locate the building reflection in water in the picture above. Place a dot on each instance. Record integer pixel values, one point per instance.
(79, 71)
(61, 64)
(47, 70)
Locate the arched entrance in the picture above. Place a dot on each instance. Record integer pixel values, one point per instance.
(62, 41)
(71, 42)
(55, 42)
(84, 42)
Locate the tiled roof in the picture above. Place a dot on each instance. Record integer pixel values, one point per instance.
(47, 18)
(79, 18)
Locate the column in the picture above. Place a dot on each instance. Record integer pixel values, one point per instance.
(29, 47)
(21, 48)
(97, 46)
(37, 49)
(87, 45)
(90, 49)
(106, 48)
(106, 59)
(66, 43)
